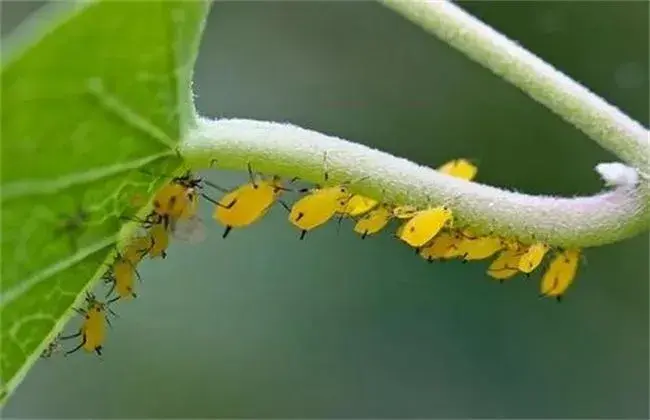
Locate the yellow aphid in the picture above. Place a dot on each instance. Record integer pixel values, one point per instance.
(137, 249)
(159, 240)
(505, 265)
(480, 248)
(358, 205)
(513, 244)
(425, 225)
(459, 168)
(438, 247)
(122, 279)
(316, 208)
(247, 204)
(172, 200)
(179, 198)
(560, 273)
(457, 248)
(93, 329)
(533, 257)
(404, 212)
(373, 222)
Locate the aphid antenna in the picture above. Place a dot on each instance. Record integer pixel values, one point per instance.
(325, 171)
(356, 181)
(285, 205)
(251, 175)
(216, 203)
(145, 223)
(79, 311)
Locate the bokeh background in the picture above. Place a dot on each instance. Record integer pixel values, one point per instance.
(264, 325)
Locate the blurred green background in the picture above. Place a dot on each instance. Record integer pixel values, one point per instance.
(264, 325)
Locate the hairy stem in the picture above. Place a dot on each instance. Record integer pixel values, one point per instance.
(288, 151)
(604, 123)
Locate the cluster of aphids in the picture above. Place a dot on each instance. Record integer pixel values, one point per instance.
(429, 231)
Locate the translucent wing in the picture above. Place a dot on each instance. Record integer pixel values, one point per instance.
(191, 230)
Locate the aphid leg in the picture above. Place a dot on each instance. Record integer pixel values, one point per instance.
(302, 234)
(251, 175)
(558, 298)
(338, 224)
(364, 234)
(115, 299)
(294, 179)
(325, 173)
(83, 341)
(111, 289)
(226, 231)
(67, 337)
(98, 350)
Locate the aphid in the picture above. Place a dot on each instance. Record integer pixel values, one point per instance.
(438, 247)
(404, 212)
(316, 208)
(505, 264)
(137, 249)
(159, 235)
(53, 347)
(248, 203)
(459, 168)
(122, 277)
(533, 257)
(425, 225)
(358, 205)
(373, 222)
(460, 238)
(560, 273)
(480, 248)
(179, 198)
(93, 329)
(172, 201)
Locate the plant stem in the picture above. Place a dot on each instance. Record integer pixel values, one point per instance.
(288, 151)
(604, 123)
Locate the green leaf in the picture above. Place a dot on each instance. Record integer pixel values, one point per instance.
(92, 94)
